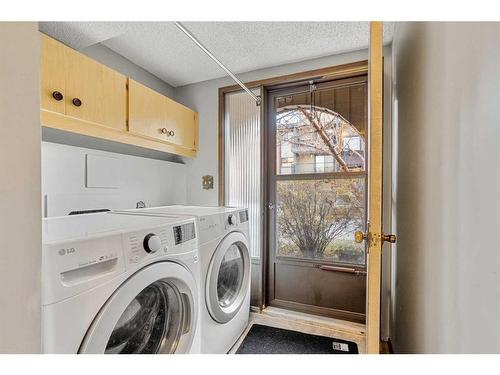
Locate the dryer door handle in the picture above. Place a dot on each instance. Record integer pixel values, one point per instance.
(187, 314)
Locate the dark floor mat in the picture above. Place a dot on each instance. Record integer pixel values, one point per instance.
(270, 340)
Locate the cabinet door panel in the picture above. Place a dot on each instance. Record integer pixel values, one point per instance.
(101, 90)
(147, 111)
(184, 124)
(52, 77)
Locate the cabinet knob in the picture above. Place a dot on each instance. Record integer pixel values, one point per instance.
(76, 102)
(163, 130)
(57, 96)
(171, 133)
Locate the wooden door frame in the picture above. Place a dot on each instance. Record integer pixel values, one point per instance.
(374, 230)
(348, 70)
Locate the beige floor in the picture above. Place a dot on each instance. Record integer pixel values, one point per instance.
(306, 323)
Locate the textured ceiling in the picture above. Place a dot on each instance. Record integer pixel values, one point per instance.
(163, 50)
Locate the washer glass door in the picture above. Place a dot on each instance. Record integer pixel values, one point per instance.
(229, 276)
(153, 311)
(150, 323)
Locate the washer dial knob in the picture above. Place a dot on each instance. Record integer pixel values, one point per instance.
(151, 243)
(231, 220)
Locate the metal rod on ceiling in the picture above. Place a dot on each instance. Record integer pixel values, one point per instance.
(218, 62)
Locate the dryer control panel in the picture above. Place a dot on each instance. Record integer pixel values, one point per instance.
(213, 226)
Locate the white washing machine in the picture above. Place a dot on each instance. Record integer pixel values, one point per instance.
(115, 283)
(225, 267)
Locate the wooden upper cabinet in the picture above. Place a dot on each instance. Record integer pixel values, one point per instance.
(156, 116)
(183, 122)
(95, 92)
(52, 75)
(82, 96)
(147, 111)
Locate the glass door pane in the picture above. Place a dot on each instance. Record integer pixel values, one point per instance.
(315, 133)
(243, 183)
(316, 219)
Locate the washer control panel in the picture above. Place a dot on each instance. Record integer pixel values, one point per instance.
(160, 241)
(141, 244)
(184, 232)
(151, 243)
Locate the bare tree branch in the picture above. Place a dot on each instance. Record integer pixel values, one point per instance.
(326, 139)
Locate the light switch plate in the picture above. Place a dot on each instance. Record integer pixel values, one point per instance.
(208, 182)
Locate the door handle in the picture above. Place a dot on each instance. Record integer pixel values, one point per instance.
(342, 269)
(359, 236)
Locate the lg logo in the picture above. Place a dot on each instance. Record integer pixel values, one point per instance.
(69, 250)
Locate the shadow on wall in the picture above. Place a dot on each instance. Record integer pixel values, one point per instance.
(447, 294)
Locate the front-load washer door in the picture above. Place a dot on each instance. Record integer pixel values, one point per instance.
(228, 277)
(154, 311)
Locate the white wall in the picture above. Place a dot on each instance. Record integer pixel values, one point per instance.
(204, 98)
(448, 184)
(20, 209)
(156, 182)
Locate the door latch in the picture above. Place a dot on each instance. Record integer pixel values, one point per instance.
(360, 236)
(391, 238)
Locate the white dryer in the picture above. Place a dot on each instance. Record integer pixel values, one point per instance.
(120, 284)
(225, 267)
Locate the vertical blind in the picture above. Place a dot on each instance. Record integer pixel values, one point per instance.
(243, 160)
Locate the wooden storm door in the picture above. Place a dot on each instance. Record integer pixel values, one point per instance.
(373, 236)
